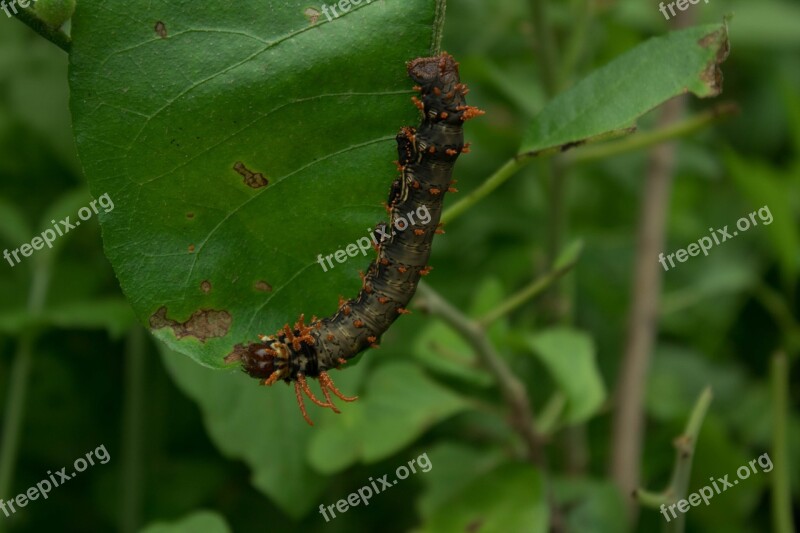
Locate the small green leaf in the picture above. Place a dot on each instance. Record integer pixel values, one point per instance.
(569, 355)
(569, 255)
(511, 498)
(205, 521)
(609, 101)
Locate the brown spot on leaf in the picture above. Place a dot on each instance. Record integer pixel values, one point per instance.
(263, 286)
(251, 179)
(161, 29)
(312, 15)
(191, 248)
(203, 324)
(205, 286)
(712, 74)
(189, 215)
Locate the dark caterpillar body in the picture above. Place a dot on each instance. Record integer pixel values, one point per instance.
(426, 156)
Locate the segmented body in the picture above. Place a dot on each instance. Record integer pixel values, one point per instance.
(426, 156)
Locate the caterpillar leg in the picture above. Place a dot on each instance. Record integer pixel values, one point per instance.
(326, 383)
(301, 387)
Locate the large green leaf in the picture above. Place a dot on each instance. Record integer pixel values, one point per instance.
(261, 426)
(205, 521)
(510, 498)
(608, 101)
(175, 103)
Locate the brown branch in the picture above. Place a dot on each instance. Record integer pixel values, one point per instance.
(514, 392)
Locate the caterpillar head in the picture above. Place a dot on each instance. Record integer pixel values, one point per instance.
(259, 360)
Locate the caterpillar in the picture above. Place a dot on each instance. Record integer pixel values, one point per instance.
(426, 156)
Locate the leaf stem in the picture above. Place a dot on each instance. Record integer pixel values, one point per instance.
(639, 141)
(545, 44)
(783, 316)
(534, 289)
(592, 153)
(438, 26)
(133, 428)
(18, 382)
(29, 17)
(513, 390)
(682, 469)
(500, 176)
(781, 489)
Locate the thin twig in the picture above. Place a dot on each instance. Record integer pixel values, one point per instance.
(19, 380)
(514, 392)
(681, 470)
(545, 44)
(782, 314)
(534, 289)
(133, 428)
(782, 520)
(500, 176)
(29, 17)
(638, 141)
(589, 153)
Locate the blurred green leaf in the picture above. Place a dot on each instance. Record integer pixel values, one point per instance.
(401, 403)
(14, 230)
(455, 466)
(169, 104)
(569, 255)
(445, 351)
(765, 24)
(205, 521)
(768, 188)
(608, 102)
(65, 206)
(113, 315)
(593, 505)
(508, 499)
(261, 426)
(569, 356)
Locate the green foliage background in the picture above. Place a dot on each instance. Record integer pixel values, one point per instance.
(209, 450)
